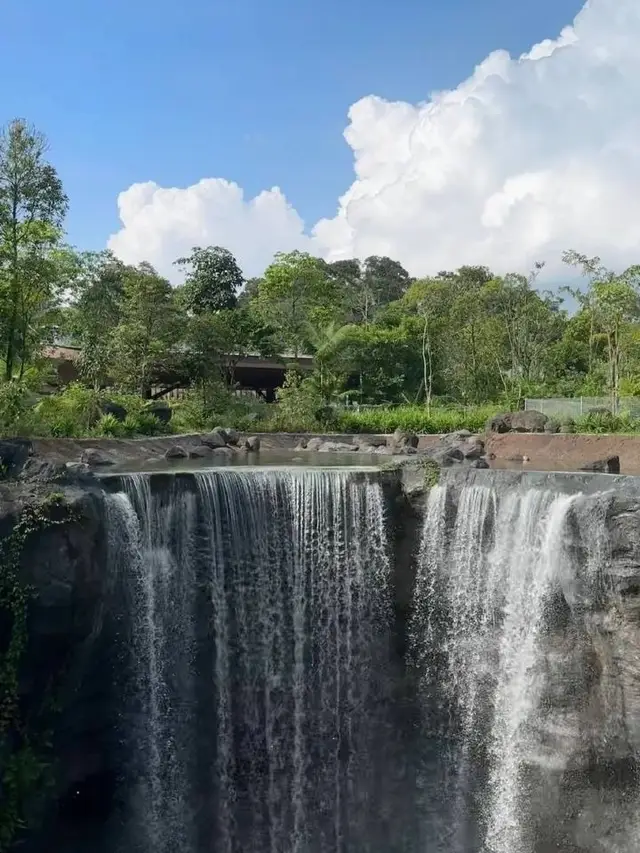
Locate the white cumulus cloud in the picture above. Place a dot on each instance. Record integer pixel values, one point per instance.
(527, 157)
(161, 224)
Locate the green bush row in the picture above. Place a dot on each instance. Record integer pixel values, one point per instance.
(415, 419)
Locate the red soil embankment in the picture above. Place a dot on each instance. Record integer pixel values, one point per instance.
(563, 452)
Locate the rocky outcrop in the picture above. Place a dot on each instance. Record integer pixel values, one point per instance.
(53, 537)
(527, 421)
(609, 465)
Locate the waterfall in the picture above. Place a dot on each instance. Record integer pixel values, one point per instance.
(490, 572)
(260, 628)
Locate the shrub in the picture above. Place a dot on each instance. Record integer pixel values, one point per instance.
(71, 414)
(606, 422)
(17, 417)
(414, 419)
(110, 426)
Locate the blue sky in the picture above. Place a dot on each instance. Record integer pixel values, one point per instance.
(251, 91)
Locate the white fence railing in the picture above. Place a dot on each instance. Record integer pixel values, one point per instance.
(576, 407)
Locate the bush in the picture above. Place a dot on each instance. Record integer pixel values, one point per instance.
(301, 407)
(109, 426)
(606, 422)
(71, 414)
(415, 419)
(199, 412)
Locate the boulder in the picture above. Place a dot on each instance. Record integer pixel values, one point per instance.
(114, 409)
(608, 465)
(499, 423)
(376, 441)
(252, 443)
(94, 457)
(472, 449)
(336, 447)
(222, 452)
(14, 453)
(404, 438)
(529, 421)
(311, 443)
(230, 435)
(479, 463)
(176, 452)
(459, 435)
(78, 469)
(160, 411)
(200, 452)
(552, 426)
(213, 439)
(447, 456)
(407, 451)
(302, 444)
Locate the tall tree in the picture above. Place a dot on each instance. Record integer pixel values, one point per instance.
(213, 279)
(148, 336)
(295, 292)
(383, 281)
(32, 209)
(98, 310)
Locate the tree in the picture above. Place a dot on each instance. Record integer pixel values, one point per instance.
(99, 290)
(147, 338)
(428, 298)
(369, 286)
(213, 279)
(613, 303)
(294, 293)
(217, 341)
(32, 209)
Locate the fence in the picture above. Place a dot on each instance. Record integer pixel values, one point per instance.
(575, 407)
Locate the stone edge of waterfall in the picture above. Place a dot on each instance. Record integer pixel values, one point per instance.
(566, 482)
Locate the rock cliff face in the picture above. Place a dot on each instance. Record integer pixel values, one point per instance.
(61, 733)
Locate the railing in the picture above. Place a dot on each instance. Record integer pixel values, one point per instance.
(576, 407)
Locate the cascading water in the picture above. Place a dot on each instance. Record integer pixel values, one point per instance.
(260, 619)
(486, 581)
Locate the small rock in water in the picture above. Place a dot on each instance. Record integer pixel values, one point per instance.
(93, 457)
(176, 452)
(214, 439)
(200, 452)
(608, 465)
(404, 438)
(479, 463)
(252, 443)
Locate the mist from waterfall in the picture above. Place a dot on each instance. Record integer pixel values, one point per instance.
(490, 572)
(257, 715)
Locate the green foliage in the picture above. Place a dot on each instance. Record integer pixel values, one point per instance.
(144, 342)
(110, 427)
(414, 418)
(71, 414)
(296, 293)
(32, 208)
(431, 473)
(213, 280)
(301, 406)
(605, 422)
